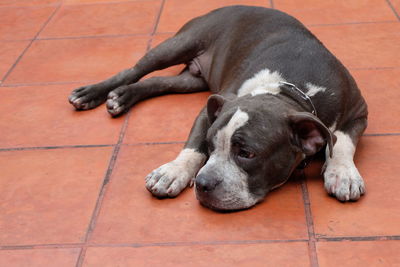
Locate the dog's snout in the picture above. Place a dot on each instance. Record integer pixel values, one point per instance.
(206, 183)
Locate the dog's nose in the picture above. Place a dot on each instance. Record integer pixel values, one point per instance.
(206, 183)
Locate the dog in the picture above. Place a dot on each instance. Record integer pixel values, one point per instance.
(279, 97)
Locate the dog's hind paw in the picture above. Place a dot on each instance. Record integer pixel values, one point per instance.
(86, 97)
(344, 181)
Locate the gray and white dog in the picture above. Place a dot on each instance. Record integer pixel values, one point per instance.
(279, 96)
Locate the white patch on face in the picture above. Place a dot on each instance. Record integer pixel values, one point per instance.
(171, 178)
(233, 192)
(223, 136)
(341, 176)
(263, 82)
(314, 89)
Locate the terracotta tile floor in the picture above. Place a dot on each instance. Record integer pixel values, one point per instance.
(72, 183)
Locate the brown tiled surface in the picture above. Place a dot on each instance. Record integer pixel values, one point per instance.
(290, 254)
(354, 254)
(47, 119)
(23, 23)
(158, 125)
(337, 11)
(189, 222)
(72, 183)
(47, 196)
(103, 19)
(177, 12)
(84, 59)
(39, 257)
(370, 45)
(9, 52)
(377, 213)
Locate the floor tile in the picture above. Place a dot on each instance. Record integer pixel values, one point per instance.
(146, 219)
(24, 3)
(367, 253)
(376, 213)
(276, 254)
(34, 116)
(77, 59)
(103, 19)
(381, 91)
(9, 52)
(362, 45)
(23, 23)
(164, 119)
(176, 12)
(335, 12)
(39, 257)
(48, 196)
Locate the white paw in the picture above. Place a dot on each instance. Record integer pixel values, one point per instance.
(171, 178)
(168, 180)
(343, 180)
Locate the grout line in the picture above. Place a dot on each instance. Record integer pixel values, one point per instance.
(105, 2)
(310, 224)
(88, 146)
(393, 9)
(85, 36)
(113, 159)
(93, 36)
(31, 42)
(135, 144)
(45, 83)
(271, 4)
(200, 243)
(160, 244)
(158, 18)
(140, 144)
(53, 147)
(156, 22)
(103, 190)
(156, 143)
(358, 238)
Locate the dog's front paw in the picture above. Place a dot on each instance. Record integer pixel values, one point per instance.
(343, 181)
(168, 180)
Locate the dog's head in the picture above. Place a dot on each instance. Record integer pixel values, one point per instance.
(254, 145)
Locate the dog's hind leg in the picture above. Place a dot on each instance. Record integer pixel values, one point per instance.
(342, 179)
(181, 48)
(124, 97)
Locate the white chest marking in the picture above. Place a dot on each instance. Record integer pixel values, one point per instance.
(263, 82)
(314, 89)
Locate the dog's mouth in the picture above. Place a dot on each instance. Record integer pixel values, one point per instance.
(225, 203)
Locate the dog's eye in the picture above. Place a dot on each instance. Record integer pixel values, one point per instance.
(246, 154)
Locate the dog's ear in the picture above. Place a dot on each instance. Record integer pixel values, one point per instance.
(310, 134)
(214, 106)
